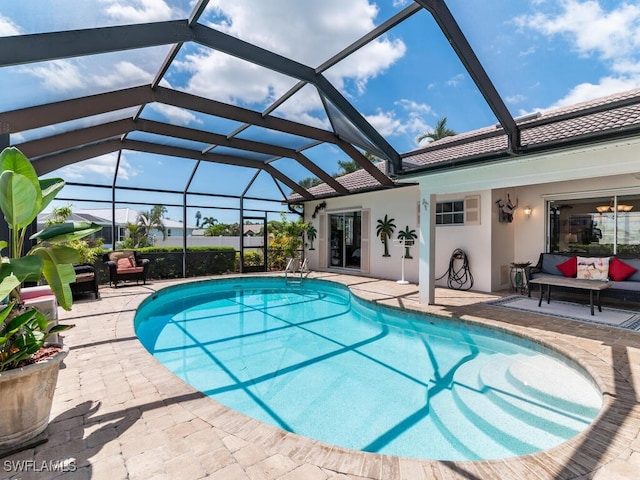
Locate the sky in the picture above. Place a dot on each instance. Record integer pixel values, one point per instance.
(540, 54)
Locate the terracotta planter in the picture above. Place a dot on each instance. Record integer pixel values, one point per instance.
(26, 396)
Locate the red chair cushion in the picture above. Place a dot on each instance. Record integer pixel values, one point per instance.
(569, 268)
(122, 271)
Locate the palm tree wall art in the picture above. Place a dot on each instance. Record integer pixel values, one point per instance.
(409, 236)
(385, 228)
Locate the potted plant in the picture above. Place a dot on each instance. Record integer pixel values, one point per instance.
(29, 366)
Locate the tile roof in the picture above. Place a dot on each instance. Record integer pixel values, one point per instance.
(357, 181)
(597, 120)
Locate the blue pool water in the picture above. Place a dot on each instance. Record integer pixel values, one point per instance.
(319, 362)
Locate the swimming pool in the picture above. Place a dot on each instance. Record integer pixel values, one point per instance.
(319, 362)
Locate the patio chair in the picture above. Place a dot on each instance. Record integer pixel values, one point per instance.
(86, 280)
(126, 265)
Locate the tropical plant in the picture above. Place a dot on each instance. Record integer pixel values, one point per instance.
(409, 236)
(385, 228)
(148, 221)
(439, 131)
(89, 249)
(23, 196)
(208, 221)
(285, 238)
(312, 234)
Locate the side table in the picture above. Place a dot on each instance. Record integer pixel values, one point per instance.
(517, 277)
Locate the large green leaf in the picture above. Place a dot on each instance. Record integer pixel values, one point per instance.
(50, 188)
(7, 285)
(66, 232)
(58, 270)
(19, 199)
(14, 160)
(25, 268)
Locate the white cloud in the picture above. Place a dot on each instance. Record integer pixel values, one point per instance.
(613, 37)
(60, 75)
(8, 28)
(455, 80)
(588, 91)
(515, 98)
(176, 115)
(307, 32)
(412, 106)
(83, 76)
(138, 11)
(102, 166)
(593, 31)
(122, 70)
(411, 123)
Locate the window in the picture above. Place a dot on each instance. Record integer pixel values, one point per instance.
(450, 212)
(595, 225)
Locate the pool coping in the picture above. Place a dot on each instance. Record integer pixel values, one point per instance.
(609, 355)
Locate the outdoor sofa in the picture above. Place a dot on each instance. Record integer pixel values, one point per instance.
(622, 274)
(126, 265)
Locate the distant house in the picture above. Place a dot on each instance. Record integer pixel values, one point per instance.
(123, 217)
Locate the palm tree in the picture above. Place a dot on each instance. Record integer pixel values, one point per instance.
(208, 221)
(151, 220)
(439, 131)
(198, 217)
(384, 230)
(408, 236)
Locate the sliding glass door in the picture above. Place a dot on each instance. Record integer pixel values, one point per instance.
(345, 240)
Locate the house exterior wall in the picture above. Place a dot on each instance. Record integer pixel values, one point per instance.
(401, 204)
(491, 246)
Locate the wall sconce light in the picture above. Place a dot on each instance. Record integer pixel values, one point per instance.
(527, 211)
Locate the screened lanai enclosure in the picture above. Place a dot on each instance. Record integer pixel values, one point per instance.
(227, 110)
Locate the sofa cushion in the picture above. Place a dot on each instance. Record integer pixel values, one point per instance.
(619, 270)
(549, 262)
(569, 268)
(125, 263)
(635, 263)
(593, 268)
(625, 285)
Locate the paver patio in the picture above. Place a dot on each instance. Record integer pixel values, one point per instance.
(119, 414)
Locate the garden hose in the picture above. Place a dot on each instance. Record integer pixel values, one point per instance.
(458, 277)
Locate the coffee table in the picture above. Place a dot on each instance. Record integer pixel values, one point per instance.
(577, 283)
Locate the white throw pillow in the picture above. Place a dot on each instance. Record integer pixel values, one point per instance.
(593, 268)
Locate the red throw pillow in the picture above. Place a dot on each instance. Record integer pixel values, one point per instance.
(569, 268)
(619, 271)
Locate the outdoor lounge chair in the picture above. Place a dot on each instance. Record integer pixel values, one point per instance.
(126, 265)
(86, 280)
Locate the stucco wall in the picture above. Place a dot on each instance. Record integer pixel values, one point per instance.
(401, 204)
(492, 245)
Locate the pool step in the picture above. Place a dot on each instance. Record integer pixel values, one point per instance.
(480, 409)
(553, 382)
(541, 413)
(463, 435)
(499, 419)
(546, 417)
